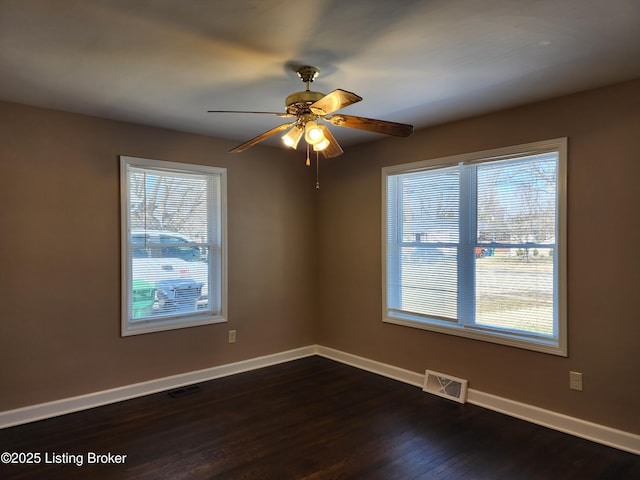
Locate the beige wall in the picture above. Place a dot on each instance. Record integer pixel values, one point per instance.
(60, 264)
(603, 127)
(295, 251)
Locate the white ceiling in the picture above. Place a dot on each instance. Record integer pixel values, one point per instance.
(165, 62)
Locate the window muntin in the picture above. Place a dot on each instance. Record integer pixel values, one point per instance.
(173, 245)
(474, 245)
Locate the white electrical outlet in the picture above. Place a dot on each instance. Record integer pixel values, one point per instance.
(575, 381)
(232, 336)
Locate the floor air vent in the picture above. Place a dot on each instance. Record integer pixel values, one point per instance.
(181, 392)
(445, 386)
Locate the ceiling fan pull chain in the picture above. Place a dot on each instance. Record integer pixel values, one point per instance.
(308, 160)
(317, 170)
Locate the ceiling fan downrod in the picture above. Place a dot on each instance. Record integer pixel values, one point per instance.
(298, 103)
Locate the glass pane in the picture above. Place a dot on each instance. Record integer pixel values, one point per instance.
(430, 206)
(168, 286)
(516, 207)
(170, 203)
(515, 291)
(429, 281)
(169, 243)
(517, 200)
(428, 224)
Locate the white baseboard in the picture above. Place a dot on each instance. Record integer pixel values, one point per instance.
(400, 374)
(574, 426)
(41, 411)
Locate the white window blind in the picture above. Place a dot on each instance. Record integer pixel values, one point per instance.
(424, 242)
(475, 245)
(173, 245)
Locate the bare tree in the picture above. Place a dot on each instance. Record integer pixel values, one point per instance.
(516, 202)
(167, 202)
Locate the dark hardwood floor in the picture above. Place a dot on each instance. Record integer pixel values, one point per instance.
(308, 419)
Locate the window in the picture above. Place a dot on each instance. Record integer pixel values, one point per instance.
(475, 245)
(173, 245)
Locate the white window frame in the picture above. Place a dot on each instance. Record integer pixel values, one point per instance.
(556, 345)
(217, 266)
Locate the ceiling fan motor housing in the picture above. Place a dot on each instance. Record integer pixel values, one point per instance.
(299, 102)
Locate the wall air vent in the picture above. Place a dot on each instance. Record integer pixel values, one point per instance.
(445, 386)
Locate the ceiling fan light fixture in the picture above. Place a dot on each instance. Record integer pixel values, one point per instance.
(292, 137)
(313, 133)
(321, 145)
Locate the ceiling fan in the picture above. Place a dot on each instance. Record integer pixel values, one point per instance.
(309, 109)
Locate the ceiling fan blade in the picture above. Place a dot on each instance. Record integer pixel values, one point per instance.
(371, 125)
(279, 114)
(334, 149)
(261, 137)
(334, 101)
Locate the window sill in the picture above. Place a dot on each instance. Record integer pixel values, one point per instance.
(550, 346)
(170, 323)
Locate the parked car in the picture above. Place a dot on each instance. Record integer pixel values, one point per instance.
(165, 286)
(163, 244)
